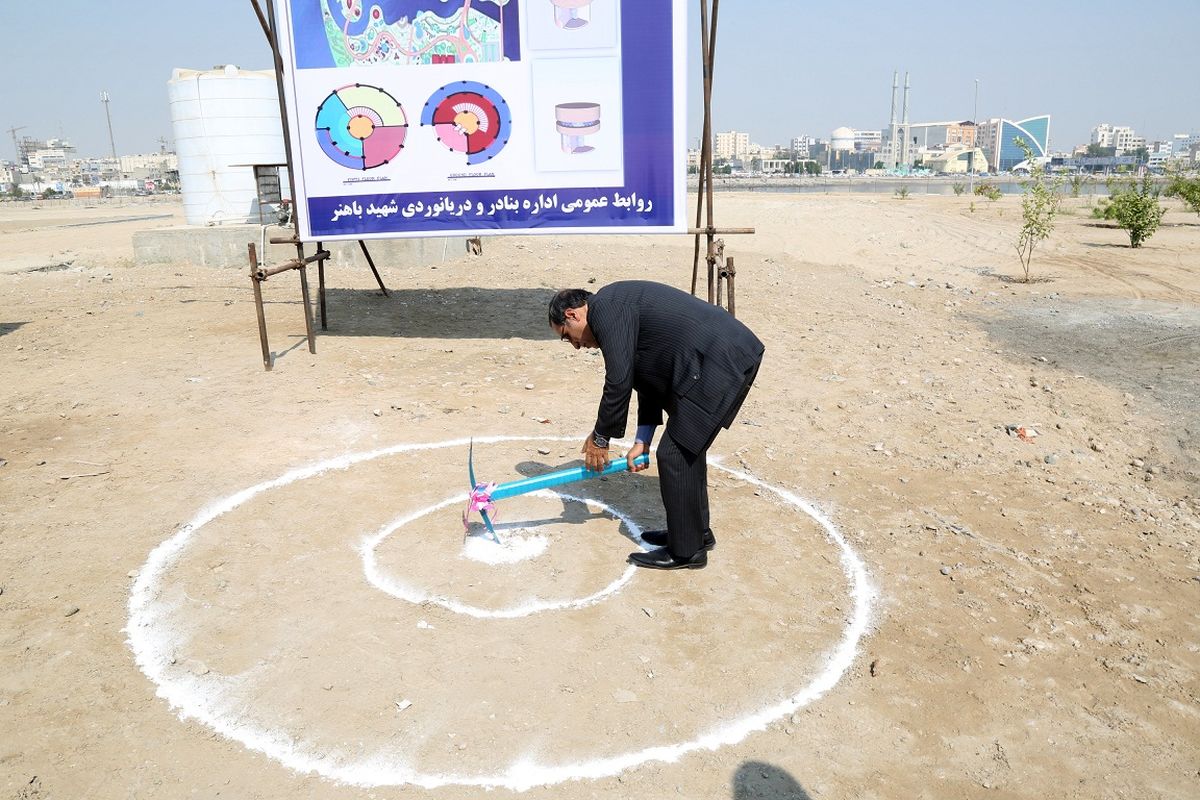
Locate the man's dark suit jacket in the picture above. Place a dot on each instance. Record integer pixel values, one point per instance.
(680, 354)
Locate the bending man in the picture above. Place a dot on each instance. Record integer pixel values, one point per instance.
(682, 356)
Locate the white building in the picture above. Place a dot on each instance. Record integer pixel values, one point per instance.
(731, 145)
(150, 162)
(1122, 138)
(868, 141)
(54, 153)
(1184, 148)
(800, 146)
(1102, 135)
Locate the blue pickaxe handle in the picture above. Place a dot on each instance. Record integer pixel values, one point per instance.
(525, 485)
(562, 476)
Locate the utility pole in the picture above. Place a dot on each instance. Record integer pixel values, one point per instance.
(975, 142)
(893, 157)
(112, 145)
(904, 151)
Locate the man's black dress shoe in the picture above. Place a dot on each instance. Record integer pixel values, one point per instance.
(659, 539)
(662, 559)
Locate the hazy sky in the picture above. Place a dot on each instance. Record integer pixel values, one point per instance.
(784, 67)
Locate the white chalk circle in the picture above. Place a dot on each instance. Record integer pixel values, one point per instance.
(510, 551)
(218, 698)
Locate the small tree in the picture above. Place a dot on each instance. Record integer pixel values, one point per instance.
(1186, 189)
(1137, 210)
(959, 188)
(1039, 206)
(902, 193)
(988, 190)
(1076, 184)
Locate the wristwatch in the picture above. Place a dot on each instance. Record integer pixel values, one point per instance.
(600, 441)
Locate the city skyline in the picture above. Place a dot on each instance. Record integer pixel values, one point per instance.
(825, 68)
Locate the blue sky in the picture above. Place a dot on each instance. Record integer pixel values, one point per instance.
(783, 68)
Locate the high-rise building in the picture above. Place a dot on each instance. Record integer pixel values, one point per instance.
(963, 133)
(50, 154)
(997, 138)
(1102, 135)
(731, 144)
(868, 141)
(800, 146)
(1119, 137)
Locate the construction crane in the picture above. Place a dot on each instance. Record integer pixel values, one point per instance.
(16, 144)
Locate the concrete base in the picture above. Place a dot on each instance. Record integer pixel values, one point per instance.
(225, 246)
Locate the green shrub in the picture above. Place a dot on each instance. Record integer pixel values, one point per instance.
(959, 188)
(902, 193)
(1137, 210)
(1186, 189)
(989, 190)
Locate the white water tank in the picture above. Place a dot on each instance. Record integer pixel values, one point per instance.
(221, 118)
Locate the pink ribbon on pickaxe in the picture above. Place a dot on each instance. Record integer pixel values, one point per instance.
(479, 500)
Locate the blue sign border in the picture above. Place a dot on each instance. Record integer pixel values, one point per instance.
(650, 162)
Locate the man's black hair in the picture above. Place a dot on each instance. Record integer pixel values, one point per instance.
(567, 298)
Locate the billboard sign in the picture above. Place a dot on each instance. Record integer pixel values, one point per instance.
(477, 117)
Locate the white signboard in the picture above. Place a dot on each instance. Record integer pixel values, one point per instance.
(432, 117)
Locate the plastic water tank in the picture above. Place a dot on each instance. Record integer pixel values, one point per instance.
(223, 117)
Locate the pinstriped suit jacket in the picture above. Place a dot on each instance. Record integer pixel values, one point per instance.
(680, 354)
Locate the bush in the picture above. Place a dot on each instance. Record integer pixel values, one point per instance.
(1137, 210)
(902, 193)
(1076, 185)
(959, 188)
(1186, 189)
(989, 190)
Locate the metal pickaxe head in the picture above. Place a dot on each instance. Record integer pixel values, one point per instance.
(480, 497)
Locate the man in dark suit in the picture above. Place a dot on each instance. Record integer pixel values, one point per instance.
(683, 356)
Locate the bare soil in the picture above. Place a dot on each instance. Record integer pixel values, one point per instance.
(1015, 463)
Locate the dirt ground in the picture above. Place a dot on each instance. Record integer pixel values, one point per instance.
(1014, 464)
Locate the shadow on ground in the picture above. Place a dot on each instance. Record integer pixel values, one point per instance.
(756, 780)
(465, 312)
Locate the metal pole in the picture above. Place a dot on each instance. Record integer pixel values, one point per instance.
(268, 362)
(730, 274)
(371, 264)
(112, 144)
(974, 143)
(321, 292)
(287, 148)
(708, 81)
(308, 320)
(706, 155)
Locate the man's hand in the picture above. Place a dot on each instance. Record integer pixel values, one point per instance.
(594, 457)
(638, 449)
